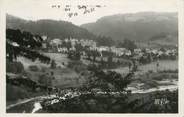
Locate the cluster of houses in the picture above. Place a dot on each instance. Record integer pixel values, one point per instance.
(90, 44)
(157, 52)
(62, 46)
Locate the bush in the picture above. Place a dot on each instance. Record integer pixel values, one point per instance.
(14, 93)
(53, 64)
(43, 69)
(33, 68)
(169, 71)
(77, 66)
(161, 77)
(42, 79)
(150, 71)
(14, 67)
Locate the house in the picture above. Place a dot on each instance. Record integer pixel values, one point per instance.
(64, 50)
(137, 51)
(44, 37)
(55, 43)
(160, 53)
(154, 51)
(44, 45)
(118, 51)
(128, 53)
(168, 52)
(103, 48)
(148, 50)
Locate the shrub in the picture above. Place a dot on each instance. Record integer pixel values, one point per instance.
(53, 64)
(42, 79)
(15, 93)
(77, 66)
(33, 68)
(150, 71)
(169, 71)
(14, 67)
(43, 69)
(161, 77)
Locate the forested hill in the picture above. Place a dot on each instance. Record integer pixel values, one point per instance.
(51, 28)
(143, 26)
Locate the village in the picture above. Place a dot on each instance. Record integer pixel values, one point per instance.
(82, 45)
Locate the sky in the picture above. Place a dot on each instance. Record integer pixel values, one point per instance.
(43, 9)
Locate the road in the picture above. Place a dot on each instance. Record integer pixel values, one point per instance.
(33, 105)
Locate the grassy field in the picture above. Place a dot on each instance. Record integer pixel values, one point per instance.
(149, 77)
(163, 65)
(146, 77)
(64, 76)
(59, 58)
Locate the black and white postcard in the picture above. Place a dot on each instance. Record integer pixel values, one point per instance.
(85, 57)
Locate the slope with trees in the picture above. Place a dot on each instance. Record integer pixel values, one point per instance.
(55, 29)
(140, 27)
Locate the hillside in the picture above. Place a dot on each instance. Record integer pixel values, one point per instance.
(140, 27)
(146, 27)
(51, 28)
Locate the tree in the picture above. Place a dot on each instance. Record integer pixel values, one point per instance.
(105, 41)
(107, 53)
(109, 60)
(79, 47)
(74, 55)
(88, 53)
(53, 64)
(21, 43)
(128, 44)
(68, 45)
(109, 80)
(95, 54)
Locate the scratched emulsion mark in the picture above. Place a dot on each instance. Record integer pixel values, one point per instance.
(37, 106)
